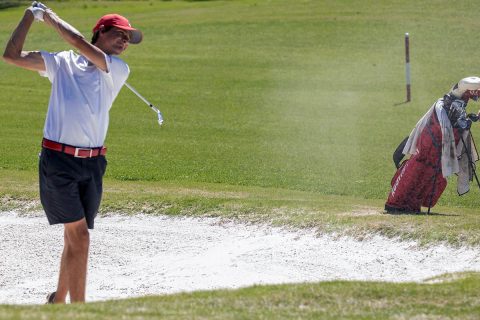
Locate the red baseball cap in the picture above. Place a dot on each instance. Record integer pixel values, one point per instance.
(116, 20)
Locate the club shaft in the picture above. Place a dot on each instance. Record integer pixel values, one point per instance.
(160, 116)
(138, 94)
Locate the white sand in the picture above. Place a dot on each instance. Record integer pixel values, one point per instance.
(144, 255)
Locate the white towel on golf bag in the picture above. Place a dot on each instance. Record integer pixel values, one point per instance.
(452, 159)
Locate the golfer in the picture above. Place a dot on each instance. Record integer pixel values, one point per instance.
(72, 161)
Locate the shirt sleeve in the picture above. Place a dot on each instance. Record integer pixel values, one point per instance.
(117, 73)
(52, 64)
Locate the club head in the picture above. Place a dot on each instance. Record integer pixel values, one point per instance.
(160, 118)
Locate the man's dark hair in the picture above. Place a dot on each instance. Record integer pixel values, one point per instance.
(95, 35)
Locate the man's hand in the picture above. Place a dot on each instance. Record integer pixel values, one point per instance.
(76, 39)
(37, 10)
(40, 5)
(14, 54)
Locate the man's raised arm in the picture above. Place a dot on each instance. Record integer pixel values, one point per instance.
(14, 54)
(76, 39)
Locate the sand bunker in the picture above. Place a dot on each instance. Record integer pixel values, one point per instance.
(143, 255)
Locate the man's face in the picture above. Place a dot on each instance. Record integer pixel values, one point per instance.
(114, 41)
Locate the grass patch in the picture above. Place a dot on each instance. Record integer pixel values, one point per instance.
(454, 299)
(295, 95)
(342, 215)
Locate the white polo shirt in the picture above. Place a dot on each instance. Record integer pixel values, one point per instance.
(81, 97)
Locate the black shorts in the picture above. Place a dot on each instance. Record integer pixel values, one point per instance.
(70, 188)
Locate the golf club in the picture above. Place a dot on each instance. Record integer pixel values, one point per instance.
(160, 117)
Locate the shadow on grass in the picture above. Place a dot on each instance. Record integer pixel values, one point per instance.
(399, 213)
(400, 103)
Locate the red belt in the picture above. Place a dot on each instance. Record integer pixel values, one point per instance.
(74, 151)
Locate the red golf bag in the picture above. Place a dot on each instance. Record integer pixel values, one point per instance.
(419, 181)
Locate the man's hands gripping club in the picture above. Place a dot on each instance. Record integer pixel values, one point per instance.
(38, 10)
(70, 34)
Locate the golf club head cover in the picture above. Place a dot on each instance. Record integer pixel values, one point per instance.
(466, 88)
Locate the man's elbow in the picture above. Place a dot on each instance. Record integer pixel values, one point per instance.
(8, 58)
(13, 59)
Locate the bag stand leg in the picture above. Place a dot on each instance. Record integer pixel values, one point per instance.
(470, 161)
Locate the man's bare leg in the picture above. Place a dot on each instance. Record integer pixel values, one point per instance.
(62, 287)
(74, 276)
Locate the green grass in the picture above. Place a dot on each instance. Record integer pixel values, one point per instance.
(280, 112)
(282, 94)
(454, 299)
(345, 215)
(295, 96)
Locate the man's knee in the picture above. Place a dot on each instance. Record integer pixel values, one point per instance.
(77, 235)
(80, 242)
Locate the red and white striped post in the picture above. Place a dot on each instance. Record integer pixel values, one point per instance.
(407, 65)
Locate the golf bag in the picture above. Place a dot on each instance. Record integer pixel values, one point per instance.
(418, 181)
(436, 154)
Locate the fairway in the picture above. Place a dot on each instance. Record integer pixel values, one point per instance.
(277, 112)
(278, 94)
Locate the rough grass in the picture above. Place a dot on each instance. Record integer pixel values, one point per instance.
(341, 215)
